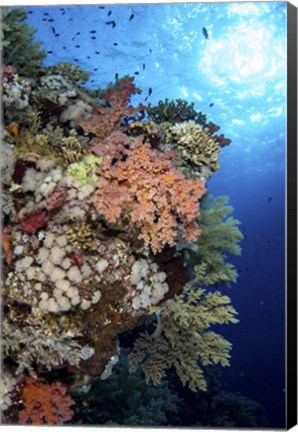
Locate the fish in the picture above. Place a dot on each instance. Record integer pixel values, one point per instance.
(109, 13)
(144, 66)
(116, 76)
(149, 93)
(50, 20)
(95, 69)
(57, 34)
(131, 17)
(92, 31)
(53, 30)
(50, 52)
(269, 199)
(30, 12)
(97, 52)
(211, 105)
(205, 33)
(115, 43)
(78, 46)
(88, 57)
(112, 23)
(93, 37)
(136, 73)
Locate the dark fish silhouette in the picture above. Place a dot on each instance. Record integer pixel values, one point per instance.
(97, 52)
(93, 37)
(109, 13)
(115, 44)
(95, 69)
(149, 93)
(53, 30)
(50, 52)
(30, 12)
(150, 50)
(77, 34)
(131, 17)
(112, 23)
(70, 19)
(50, 20)
(269, 199)
(44, 19)
(116, 76)
(211, 105)
(78, 46)
(92, 31)
(64, 47)
(205, 33)
(57, 34)
(136, 73)
(45, 13)
(63, 13)
(88, 57)
(144, 66)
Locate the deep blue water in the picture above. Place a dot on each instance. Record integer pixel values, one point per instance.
(241, 69)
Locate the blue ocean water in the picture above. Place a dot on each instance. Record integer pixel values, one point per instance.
(236, 74)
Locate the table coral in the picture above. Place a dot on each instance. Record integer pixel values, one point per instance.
(148, 188)
(45, 403)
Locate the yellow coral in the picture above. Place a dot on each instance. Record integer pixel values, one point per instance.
(183, 339)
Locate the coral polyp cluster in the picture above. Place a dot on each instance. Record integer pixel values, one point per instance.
(104, 221)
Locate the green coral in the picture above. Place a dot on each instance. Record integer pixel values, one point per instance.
(220, 236)
(85, 170)
(125, 399)
(183, 339)
(177, 111)
(19, 48)
(196, 147)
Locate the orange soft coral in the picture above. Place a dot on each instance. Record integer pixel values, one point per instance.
(148, 189)
(44, 403)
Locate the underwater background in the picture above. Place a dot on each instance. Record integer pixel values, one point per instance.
(230, 60)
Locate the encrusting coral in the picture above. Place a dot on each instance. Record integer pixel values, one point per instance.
(105, 221)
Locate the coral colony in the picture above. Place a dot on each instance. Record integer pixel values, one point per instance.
(107, 226)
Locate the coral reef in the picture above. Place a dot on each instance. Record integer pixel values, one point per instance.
(104, 223)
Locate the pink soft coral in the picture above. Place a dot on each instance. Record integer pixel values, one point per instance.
(104, 120)
(45, 403)
(148, 189)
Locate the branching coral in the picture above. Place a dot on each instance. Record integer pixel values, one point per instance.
(147, 188)
(196, 146)
(177, 111)
(183, 338)
(220, 235)
(45, 403)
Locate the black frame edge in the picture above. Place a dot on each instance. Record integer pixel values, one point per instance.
(291, 283)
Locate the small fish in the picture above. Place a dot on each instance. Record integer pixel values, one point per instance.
(116, 76)
(53, 30)
(149, 93)
(50, 20)
(30, 12)
(101, 7)
(76, 60)
(95, 69)
(70, 19)
(92, 81)
(211, 105)
(63, 13)
(78, 46)
(62, 9)
(205, 33)
(131, 17)
(50, 52)
(97, 52)
(64, 47)
(112, 23)
(269, 199)
(46, 14)
(109, 13)
(115, 44)
(88, 57)
(144, 66)
(57, 34)
(78, 33)
(93, 37)
(44, 19)
(92, 31)
(150, 50)
(136, 73)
